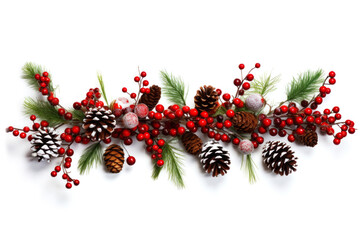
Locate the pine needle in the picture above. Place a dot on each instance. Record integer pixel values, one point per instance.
(78, 115)
(102, 86)
(91, 156)
(43, 110)
(304, 86)
(172, 162)
(265, 84)
(174, 88)
(250, 168)
(29, 70)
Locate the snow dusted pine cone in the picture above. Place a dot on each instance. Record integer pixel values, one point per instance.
(114, 158)
(279, 157)
(152, 98)
(99, 123)
(310, 138)
(191, 142)
(244, 122)
(206, 99)
(46, 143)
(215, 158)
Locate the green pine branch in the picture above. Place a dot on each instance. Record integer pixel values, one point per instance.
(250, 168)
(43, 110)
(91, 156)
(29, 70)
(265, 84)
(78, 115)
(174, 88)
(172, 162)
(306, 85)
(102, 86)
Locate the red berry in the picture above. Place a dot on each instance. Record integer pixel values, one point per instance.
(174, 107)
(133, 95)
(124, 89)
(67, 165)
(226, 96)
(161, 142)
(160, 162)
(241, 66)
(44, 91)
(338, 116)
(327, 111)
(143, 74)
(218, 91)
(37, 76)
(76, 182)
(284, 109)
(193, 112)
(45, 74)
(145, 83)
(202, 122)
(136, 79)
(246, 86)
(336, 141)
(219, 125)
(61, 151)
(44, 123)
(237, 82)
(186, 109)
(204, 114)
(332, 74)
(55, 101)
(266, 122)
(273, 131)
(300, 131)
(36, 126)
(190, 124)
(291, 138)
(69, 152)
(250, 77)
(262, 130)
(351, 130)
(32, 117)
(26, 129)
(159, 108)
(158, 116)
(322, 89)
(227, 123)
(236, 141)
(225, 138)
(75, 130)
(260, 140)
(293, 110)
(68, 185)
(310, 119)
(57, 168)
(308, 111)
(140, 137)
(339, 135)
(22, 135)
(68, 116)
(336, 109)
(318, 100)
(332, 81)
(128, 141)
(299, 120)
(257, 65)
(230, 113)
(331, 119)
(53, 174)
(217, 137)
(78, 139)
(130, 160)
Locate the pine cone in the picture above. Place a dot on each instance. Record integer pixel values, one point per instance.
(206, 99)
(191, 142)
(152, 98)
(46, 143)
(310, 138)
(99, 123)
(279, 157)
(244, 122)
(114, 158)
(214, 158)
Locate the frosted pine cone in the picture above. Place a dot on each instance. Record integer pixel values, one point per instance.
(279, 158)
(99, 123)
(46, 143)
(215, 158)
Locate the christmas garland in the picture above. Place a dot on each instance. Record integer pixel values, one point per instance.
(240, 119)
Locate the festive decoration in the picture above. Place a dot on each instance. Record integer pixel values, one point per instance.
(279, 158)
(242, 118)
(215, 158)
(114, 158)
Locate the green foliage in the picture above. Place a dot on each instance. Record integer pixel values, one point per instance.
(265, 84)
(220, 111)
(102, 86)
(91, 155)
(78, 115)
(304, 86)
(43, 110)
(29, 70)
(174, 88)
(172, 162)
(250, 168)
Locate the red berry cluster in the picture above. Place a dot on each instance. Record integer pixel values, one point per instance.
(142, 86)
(91, 100)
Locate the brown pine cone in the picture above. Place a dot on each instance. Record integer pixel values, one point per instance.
(114, 158)
(206, 99)
(310, 138)
(152, 98)
(99, 123)
(244, 122)
(191, 142)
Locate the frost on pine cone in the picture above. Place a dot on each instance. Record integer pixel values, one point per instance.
(215, 158)
(206, 99)
(279, 158)
(114, 158)
(46, 143)
(99, 123)
(152, 98)
(244, 122)
(310, 138)
(191, 142)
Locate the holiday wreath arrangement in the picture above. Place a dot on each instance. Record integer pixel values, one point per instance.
(239, 120)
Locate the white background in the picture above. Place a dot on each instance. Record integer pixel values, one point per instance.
(202, 41)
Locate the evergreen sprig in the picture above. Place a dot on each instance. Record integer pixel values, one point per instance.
(78, 115)
(250, 168)
(174, 88)
(102, 86)
(29, 70)
(265, 84)
(304, 86)
(91, 156)
(172, 162)
(43, 110)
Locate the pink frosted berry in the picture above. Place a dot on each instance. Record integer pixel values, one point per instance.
(130, 120)
(246, 147)
(254, 102)
(121, 103)
(141, 110)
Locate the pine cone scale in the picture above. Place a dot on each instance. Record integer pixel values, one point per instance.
(114, 158)
(206, 99)
(244, 122)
